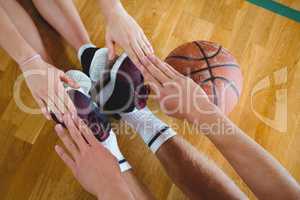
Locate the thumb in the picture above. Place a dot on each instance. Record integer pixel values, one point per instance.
(111, 47)
(66, 79)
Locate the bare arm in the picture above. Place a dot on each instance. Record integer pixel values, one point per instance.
(109, 8)
(31, 64)
(194, 173)
(93, 165)
(137, 188)
(25, 26)
(11, 40)
(123, 30)
(261, 172)
(64, 17)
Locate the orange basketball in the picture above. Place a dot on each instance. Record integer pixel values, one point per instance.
(213, 67)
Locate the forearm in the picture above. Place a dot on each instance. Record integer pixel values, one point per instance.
(110, 8)
(64, 17)
(194, 173)
(11, 40)
(117, 190)
(261, 172)
(137, 188)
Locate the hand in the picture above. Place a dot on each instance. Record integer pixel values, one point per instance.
(46, 85)
(124, 31)
(95, 168)
(178, 95)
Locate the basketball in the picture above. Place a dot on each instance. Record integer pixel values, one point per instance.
(213, 67)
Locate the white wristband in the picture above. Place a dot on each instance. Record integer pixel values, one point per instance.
(153, 131)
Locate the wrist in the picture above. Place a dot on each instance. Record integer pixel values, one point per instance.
(111, 9)
(24, 55)
(207, 112)
(28, 61)
(213, 123)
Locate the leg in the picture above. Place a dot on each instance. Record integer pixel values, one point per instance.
(25, 26)
(63, 16)
(138, 190)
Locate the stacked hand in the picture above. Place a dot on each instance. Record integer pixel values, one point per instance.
(178, 95)
(46, 85)
(124, 31)
(91, 163)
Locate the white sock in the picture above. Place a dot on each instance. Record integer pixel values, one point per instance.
(94, 61)
(153, 131)
(111, 144)
(80, 78)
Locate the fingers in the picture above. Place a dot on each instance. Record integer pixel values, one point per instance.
(67, 102)
(68, 143)
(63, 101)
(150, 79)
(139, 54)
(146, 46)
(43, 107)
(87, 133)
(66, 79)
(53, 98)
(74, 132)
(176, 73)
(157, 73)
(111, 47)
(133, 57)
(164, 67)
(58, 95)
(65, 157)
(52, 107)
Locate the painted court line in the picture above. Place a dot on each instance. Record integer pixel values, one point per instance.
(278, 8)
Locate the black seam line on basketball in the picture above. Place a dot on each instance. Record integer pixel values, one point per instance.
(224, 79)
(231, 83)
(206, 80)
(195, 59)
(122, 161)
(157, 135)
(214, 66)
(210, 71)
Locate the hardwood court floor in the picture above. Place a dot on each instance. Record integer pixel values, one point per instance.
(265, 44)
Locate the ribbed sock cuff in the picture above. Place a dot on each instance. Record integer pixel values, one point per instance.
(153, 131)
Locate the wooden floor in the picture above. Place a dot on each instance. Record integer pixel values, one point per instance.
(265, 44)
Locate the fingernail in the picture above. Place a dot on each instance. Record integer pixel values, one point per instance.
(57, 148)
(152, 56)
(57, 127)
(152, 50)
(48, 117)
